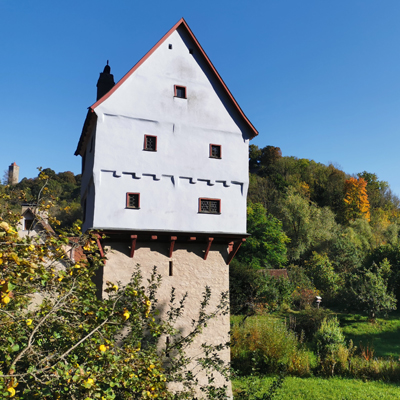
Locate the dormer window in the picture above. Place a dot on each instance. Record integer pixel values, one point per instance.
(180, 91)
(150, 143)
(210, 206)
(133, 200)
(215, 151)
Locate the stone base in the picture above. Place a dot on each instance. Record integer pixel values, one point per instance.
(187, 272)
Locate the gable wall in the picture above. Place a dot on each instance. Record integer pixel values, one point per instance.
(172, 179)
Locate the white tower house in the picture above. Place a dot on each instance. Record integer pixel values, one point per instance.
(165, 170)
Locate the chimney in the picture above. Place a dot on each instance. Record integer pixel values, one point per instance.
(13, 173)
(105, 82)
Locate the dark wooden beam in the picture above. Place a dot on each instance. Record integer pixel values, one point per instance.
(210, 240)
(234, 250)
(133, 246)
(98, 237)
(172, 244)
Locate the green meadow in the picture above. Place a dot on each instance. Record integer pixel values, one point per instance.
(378, 344)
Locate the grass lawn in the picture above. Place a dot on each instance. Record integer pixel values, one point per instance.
(324, 389)
(384, 335)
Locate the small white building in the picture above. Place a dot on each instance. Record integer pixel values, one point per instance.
(165, 171)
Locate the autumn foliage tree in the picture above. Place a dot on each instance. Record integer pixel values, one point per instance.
(356, 199)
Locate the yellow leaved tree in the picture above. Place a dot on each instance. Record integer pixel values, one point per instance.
(59, 341)
(356, 199)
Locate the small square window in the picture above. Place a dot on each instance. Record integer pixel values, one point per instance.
(150, 143)
(215, 151)
(133, 200)
(180, 91)
(210, 206)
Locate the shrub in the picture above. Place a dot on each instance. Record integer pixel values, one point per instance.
(375, 369)
(304, 297)
(328, 337)
(265, 344)
(329, 343)
(308, 321)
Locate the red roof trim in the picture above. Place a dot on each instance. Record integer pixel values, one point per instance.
(149, 53)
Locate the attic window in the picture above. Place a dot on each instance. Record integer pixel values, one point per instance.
(180, 91)
(150, 143)
(133, 200)
(210, 206)
(215, 151)
(170, 46)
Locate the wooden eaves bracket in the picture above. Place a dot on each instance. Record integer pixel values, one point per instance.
(233, 248)
(172, 244)
(133, 245)
(210, 240)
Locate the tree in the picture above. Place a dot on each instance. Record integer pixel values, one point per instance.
(306, 224)
(61, 341)
(370, 290)
(356, 199)
(392, 254)
(320, 270)
(266, 247)
(270, 155)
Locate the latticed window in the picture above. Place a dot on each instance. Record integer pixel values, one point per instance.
(210, 206)
(150, 143)
(132, 200)
(180, 91)
(215, 151)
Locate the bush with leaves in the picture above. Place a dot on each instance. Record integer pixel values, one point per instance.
(329, 342)
(266, 344)
(308, 321)
(59, 341)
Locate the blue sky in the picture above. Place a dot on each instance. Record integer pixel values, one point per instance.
(319, 79)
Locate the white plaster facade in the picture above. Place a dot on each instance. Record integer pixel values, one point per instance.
(172, 179)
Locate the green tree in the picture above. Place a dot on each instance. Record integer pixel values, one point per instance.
(307, 225)
(320, 270)
(370, 290)
(266, 247)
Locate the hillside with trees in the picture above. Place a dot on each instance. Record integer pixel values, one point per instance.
(64, 188)
(336, 234)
